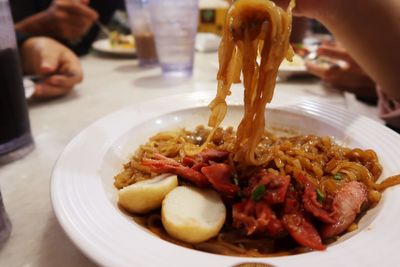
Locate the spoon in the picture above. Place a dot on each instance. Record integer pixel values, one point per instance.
(103, 28)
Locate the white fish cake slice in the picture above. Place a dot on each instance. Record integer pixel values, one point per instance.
(146, 195)
(193, 215)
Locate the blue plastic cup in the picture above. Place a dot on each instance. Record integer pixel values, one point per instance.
(175, 26)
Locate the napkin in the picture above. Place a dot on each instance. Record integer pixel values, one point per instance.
(207, 42)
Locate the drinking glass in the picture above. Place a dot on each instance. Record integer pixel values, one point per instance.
(15, 133)
(139, 19)
(175, 27)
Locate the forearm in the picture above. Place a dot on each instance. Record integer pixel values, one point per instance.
(373, 40)
(35, 25)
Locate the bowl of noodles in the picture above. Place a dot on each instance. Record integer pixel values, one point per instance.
(85, 199)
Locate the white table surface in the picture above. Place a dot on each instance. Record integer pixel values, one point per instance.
(110, 84)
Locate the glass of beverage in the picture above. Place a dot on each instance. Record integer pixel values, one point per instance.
(175, 27)
(15, 134)
(139, 18)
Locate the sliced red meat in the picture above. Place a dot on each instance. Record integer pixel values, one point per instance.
(292, 201)
(346, 205)
(205, 156)
(219, 175)
(165, 165)
(213, 155)
(312, 205)
(302, 231)
(256, 217)
(296, 224)
(310, 201)
(189, 161)
(276, 187)
(267, 220)
(243, 216)
(198, 166)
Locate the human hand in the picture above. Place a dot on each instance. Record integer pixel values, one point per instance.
(348, 75)
(315, 9)
(45, 56)
(69, 19)
(369, 30)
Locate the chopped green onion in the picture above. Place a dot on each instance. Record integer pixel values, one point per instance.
(240, 194)
(258, 192)
(337, 176)
(320, 196)
(235, 179)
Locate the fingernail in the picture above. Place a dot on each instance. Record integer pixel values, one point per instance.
(46, 67)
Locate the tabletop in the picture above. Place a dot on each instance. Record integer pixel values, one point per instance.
(37, 239)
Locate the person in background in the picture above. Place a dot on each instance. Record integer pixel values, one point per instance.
(45, 56)
(370, 32)
(72, 22)
(348, 76)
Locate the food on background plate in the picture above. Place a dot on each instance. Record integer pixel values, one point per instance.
(300, 50)
(296, 61)
(119, 40)
(282, 195)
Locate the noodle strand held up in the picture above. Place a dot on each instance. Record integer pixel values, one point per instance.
(253, 28)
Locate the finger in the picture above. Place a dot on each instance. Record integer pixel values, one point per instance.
(344, 80)
(72, 26)
(324, 72)
(339, 77)
(72, 19)
(328, 42)
(70, 64)
(303, 8)
(316, 69)
(281, 3)
(333, 52)
(79, 9)
(46, 91)
(81, 24)
(73, 32)
(47, 61)
(69, 72)
(78, 20)
(59, 80)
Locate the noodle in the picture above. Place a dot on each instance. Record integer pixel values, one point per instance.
(319, 158)
(252, 27)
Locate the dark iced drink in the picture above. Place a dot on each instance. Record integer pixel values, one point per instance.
(15, 132)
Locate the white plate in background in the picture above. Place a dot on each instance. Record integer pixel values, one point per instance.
(288, 69)
(104, 46)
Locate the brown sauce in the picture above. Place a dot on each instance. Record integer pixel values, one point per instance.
(146, 47)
